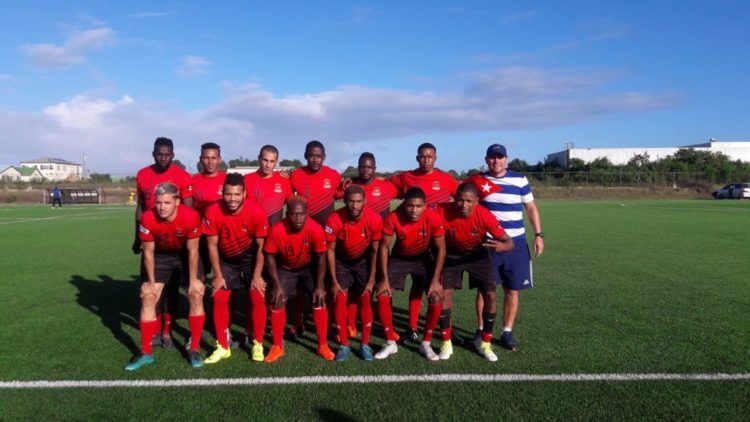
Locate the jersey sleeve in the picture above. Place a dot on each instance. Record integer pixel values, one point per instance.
(318, 238)
(389, 225)
(397, 182)
(146, 227)
(526, 195)
(186, 185)
(332, 228)
(193, 224)
(452, 183)
(294, 182)
(492, 224)
(210, 222)
(271, 246)
(259, 222)
(437, 226)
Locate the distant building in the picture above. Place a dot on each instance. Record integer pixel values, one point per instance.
(250, 169)
(54, 169)
(619, 156)
(20, 174)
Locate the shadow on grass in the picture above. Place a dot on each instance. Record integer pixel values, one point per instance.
(328, 414)
(114, 301)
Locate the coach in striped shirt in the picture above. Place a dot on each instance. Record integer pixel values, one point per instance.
(506, 194)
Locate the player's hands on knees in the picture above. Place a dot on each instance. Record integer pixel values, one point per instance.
(369, 287)
(383, 287)
(319, 297)
(435, 289)
(278, 298)
(196, 285)
(136, 248)
(218, 283)
(335, 288)
(258, 284)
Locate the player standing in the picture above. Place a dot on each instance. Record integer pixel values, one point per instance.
(466, 230)
(236, 230)
(506, 194)
(169, 234)
(415, 229)
(146, 180)
(316, 183)
(353, 234)
(438, 187)
(266, 187)
(296, 260)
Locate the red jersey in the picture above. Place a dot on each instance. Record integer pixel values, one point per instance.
(378, 195)
(207, 190)
(438, 186)
(318, 188)
(271, 194)
(413, 237)
(147, 179)
(170, 237)
(295, 250)
(353, 238)
(465, 234)
(236, 231)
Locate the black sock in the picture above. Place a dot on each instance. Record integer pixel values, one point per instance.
(445, 319)
(489, 322)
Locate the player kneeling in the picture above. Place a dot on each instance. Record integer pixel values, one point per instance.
(353, 234)
(236, 230)
(296, 261)
(466, 227)
(415, 230)
(169, 233)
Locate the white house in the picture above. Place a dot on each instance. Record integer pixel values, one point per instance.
(619, 156)
(20, 174)
(56, 168)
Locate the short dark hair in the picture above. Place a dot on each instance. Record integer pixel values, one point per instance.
(269, 148)
(314, 144)
(467, 187)
(211, 145)
(414, 192)
(296, 199)
(426, 145)
(163, 142)
(353, 189)
(366, 156)
(235, 179)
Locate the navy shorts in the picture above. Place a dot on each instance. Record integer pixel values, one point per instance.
(476, 264)
(513, 268)
(421, 269)
(171, 268)
(352, 273)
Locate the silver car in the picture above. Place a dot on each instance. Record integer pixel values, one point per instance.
(733, 191)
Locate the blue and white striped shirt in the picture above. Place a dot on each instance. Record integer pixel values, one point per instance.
(507, 204)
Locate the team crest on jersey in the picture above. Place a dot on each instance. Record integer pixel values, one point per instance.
(277, 187)
(435, 185)
(474, 232)
(423, 232)
(244, 228)
(326, 184)
(376, 192)
(307, 241)
(179, 233)
(364, 234)
(220, 191)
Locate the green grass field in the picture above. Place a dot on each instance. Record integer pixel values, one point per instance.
(635, 287)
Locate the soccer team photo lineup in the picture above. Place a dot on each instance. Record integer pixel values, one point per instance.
(278, 243)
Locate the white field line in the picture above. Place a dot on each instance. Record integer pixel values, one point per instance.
(59, 217)
(370, 379)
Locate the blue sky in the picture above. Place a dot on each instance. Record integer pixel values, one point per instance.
(106, 78)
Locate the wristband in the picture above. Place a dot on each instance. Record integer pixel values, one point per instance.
(540, 234)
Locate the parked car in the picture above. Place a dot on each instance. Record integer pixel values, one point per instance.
(733, 191)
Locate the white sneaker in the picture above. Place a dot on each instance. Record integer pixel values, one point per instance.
(426, 350)
(446, 350)
(485, 350)
(390, 348)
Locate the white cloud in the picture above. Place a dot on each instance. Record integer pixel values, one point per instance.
(72, 52)
(118, 134)
(193, 66)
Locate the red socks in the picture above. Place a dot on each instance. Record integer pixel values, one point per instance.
(415, 303)
(367, 317)
(221, 316)
(342, 312)
(352, 317)
(320, 317)
(278, 321)
(196, 330)
(259, 314)
(148, 329)
(433, 315)
(386, 316)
